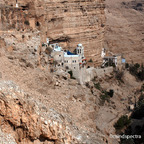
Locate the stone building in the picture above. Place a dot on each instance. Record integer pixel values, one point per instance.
(72, 61)
(67, 59)
(111, 59)
(115, 60)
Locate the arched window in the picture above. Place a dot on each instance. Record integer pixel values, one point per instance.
(78, 51)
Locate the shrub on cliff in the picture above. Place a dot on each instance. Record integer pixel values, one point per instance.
(90, 60)
(127, 65)
(97, 86)
(141, 74)
(139, 110)
(137, 71)
(122, 122)
(111, 93)
(43, 44)
(119, 75)
(104, 97)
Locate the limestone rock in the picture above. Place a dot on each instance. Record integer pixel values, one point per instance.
(124, 31)
(25, 125)
(69, 23)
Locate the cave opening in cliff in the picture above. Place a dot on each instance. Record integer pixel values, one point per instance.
(42, 138)
(26, 7)
(37, 24)
(61, 39)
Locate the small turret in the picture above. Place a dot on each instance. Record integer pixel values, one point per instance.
(80, 50)
(17, 4)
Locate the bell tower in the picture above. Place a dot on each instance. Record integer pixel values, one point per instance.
(80, 50)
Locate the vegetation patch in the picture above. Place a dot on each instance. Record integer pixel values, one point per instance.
(110, 93)
(138, 128)
(119, 75)
(139, 110)
(90, 60)
(105, 96)
(126, 65)
(122, 122)
(43, 44)
(97, 86)
(137, 70)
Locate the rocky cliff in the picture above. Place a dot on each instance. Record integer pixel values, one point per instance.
(66, 22)
(27, 123)
(42, 107)
(125, 28)
(46, 109)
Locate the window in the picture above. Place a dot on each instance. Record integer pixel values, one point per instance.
(66, 61)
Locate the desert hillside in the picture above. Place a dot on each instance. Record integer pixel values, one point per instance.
(41, 102)
(43, 107)
(125, 28)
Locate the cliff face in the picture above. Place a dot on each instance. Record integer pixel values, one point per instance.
(47, 109)
(39, 107)
(25, 123)
(51, 108)
(125, 28)
(67, 22)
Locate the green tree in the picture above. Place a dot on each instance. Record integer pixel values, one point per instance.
(122, 121)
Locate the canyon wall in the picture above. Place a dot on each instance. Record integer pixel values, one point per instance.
(83, 21)
(124, 31)
(66, 22)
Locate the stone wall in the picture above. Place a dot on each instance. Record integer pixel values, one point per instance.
(85, 75)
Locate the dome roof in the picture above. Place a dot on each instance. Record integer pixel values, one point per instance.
(80, 45)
